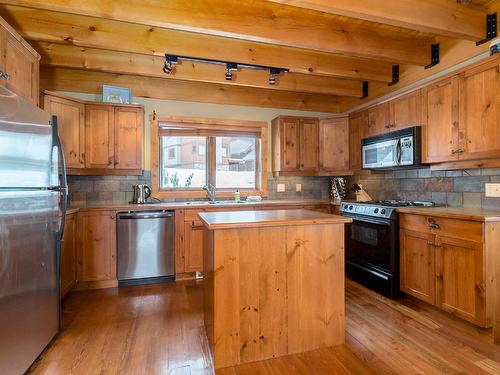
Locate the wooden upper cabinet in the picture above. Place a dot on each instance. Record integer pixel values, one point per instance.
(334, 144)
(19, 63)
(309, 144)
(440, 121)
(417, 264)
(405, 111)
(295, 143)
(479, 124)
(357, 130)
(71, 125)
(378, 119)
(128, 137)
(99, 136)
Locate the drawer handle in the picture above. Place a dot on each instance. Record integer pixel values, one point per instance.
(434, 225)
(4, 75)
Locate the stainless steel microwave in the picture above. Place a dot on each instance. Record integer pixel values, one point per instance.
(391, 150)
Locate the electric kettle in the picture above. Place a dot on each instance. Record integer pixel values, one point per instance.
(141, 194)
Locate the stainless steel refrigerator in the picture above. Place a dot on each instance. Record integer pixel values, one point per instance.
(32, 192)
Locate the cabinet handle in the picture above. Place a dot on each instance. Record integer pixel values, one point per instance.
(460, 151)
(453, 152)
(430, 243)
(4, 75)
(434, 225)
(438, 245)
(110, 162)
(388, 126)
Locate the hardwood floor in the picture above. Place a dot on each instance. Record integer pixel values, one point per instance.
(158, 329)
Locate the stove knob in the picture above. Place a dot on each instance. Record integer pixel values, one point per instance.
(382, 211)
(351, 207)
(376, 210)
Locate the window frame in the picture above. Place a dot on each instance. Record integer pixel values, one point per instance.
(210, 127)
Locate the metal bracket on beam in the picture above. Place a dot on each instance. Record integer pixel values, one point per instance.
(434, 55)
(491, 28)
(365, 89)
(395, 75)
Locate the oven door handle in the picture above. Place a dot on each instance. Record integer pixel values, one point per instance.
(371, 220)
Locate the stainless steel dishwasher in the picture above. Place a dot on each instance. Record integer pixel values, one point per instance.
(145, 246)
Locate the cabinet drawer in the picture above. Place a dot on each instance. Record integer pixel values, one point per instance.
(467, 230)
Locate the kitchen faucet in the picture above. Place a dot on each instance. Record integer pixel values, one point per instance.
(210, 189)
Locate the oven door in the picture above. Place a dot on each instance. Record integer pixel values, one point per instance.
(372, 243)
(381, 154)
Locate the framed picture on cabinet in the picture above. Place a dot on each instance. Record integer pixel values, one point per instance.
(114, 94)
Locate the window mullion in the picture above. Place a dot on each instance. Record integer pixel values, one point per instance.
(211, 160)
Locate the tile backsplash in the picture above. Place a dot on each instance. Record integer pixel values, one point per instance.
(118, 189)
(453, 188)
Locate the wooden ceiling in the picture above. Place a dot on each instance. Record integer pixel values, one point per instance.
(329, 47)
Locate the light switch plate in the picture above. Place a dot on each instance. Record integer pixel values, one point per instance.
(280, 188)
(492, 190)
(298, 188)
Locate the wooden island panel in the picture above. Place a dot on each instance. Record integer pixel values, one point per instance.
(273, 290)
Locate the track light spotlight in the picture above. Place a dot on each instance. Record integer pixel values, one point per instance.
(170, 61)
(230, 67)
(273, 75)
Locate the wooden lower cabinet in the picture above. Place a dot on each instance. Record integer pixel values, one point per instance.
(68, 256)
(193, 246)
(448, 265)
(460, 287)
(417, 265)
(96, 261)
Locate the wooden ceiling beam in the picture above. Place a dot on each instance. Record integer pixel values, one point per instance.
(83, 31)
(258, 21)
(441, 17)
(76, 80)
(152, 66)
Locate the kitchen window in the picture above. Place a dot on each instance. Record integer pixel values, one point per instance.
(226, 154)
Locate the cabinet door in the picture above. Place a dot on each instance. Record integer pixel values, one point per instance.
(480, 113)
(68, 256)
(406, 111)
(417, 264)
(378, 119)
(128, 138)
(440, 121)
(357, 126)
(309, 144)
(71, 125)
(99, 136)
(334, 144)
(96, 246)
(193, 246)
(460, 285)
(289, 139)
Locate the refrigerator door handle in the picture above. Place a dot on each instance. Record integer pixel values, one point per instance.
(64, 179)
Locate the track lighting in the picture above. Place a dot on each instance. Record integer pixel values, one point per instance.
(170, 61)
(273, 75)
(230, 67)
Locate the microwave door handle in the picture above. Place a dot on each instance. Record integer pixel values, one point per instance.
(399, 151)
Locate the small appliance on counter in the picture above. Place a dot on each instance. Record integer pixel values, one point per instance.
(372, 243)
(141, 194)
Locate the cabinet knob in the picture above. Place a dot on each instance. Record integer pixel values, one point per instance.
(434, 225)
(430, 243)
(4, 75)
(110, 162)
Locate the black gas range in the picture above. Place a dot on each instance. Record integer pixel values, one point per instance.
(372, 243)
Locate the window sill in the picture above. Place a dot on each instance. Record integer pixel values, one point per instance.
(202, 194)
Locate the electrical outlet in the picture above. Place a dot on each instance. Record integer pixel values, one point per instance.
(492, 190)
(280, 188)
(298, 188)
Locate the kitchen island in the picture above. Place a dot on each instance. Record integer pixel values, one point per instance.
(274, 283)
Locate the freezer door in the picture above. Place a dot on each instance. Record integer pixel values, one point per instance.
(29, 301)
(26, 152)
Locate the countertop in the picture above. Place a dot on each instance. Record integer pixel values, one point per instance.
(461, 213)
(249, 219)
(192, 204)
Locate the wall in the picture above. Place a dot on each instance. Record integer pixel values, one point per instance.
(118, 189)
(453, 188)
